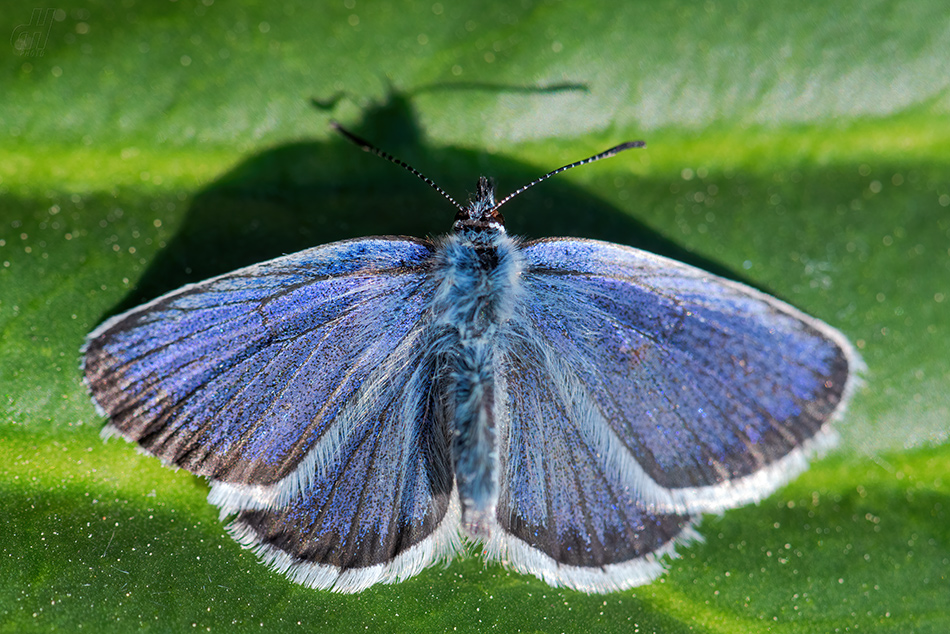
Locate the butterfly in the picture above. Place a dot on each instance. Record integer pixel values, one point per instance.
(364, 409)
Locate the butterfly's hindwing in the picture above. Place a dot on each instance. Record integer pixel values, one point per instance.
(382, 507)
(567, 512)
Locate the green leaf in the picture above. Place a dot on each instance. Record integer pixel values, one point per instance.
(798, 148)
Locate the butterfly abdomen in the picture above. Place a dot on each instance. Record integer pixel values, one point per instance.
(478, 289)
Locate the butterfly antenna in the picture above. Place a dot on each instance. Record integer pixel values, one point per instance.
(369, 147)
(590, 159)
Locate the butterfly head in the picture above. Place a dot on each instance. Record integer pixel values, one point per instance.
(481, 215)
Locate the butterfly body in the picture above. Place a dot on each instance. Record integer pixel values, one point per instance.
(362, 407)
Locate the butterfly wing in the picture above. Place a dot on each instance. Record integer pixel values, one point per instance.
(713, 393)
(236, 377)
(564, 514)
(382, 506)
(641, 392)
(300, 388)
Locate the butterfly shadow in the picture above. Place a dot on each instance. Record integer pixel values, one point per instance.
(299, 195)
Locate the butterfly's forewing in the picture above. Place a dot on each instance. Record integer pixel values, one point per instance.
(713, 394)
(565, 513)
(242, 378)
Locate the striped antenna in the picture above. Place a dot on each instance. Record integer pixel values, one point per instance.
(369, 147)
(590, 159)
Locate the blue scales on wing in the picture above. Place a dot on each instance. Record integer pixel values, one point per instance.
(713, 393)
(381, 507)
(567, 514)
(302, 387)
(249, 378)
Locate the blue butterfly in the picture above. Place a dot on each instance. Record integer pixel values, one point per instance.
(364, 408)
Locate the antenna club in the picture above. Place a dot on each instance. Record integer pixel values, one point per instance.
(628, 145)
